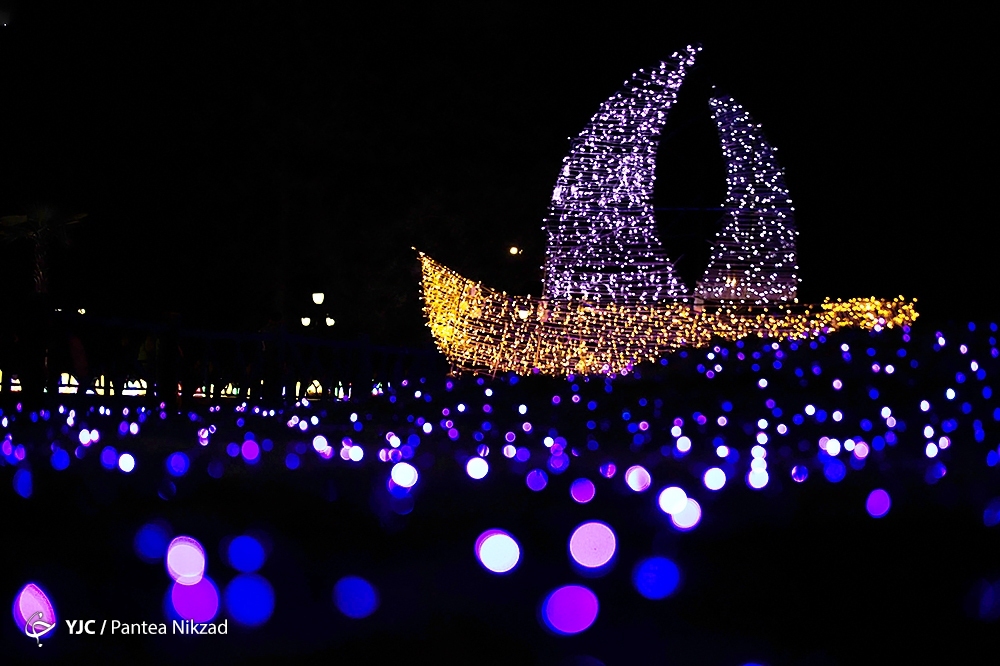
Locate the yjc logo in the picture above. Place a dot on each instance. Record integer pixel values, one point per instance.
(36, 627)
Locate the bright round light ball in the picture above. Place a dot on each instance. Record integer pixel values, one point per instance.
(497, 551)
(185, 560)
(592, 544)
(570, 609)
(672, 500)
(637, 478)
(477, 468)
(688, 517)
(404, 474)
(126, 462)
(715, 478)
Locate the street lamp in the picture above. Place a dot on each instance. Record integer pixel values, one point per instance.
(318, 297)
(330, 321)
(306, 321)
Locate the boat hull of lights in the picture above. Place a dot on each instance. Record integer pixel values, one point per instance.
(480, 329)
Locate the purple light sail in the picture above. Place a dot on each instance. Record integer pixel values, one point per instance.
(753, 258)
(185, 560)
(601, 212)
(570, 609)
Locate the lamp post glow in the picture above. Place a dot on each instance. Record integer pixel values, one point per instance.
(318, 297)
(306, 321)
(330, 321)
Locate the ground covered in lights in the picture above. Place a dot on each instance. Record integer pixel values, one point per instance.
(820, 502)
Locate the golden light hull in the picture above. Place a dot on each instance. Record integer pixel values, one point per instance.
(481, 330)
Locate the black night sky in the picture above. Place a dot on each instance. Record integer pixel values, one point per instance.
(234, 158)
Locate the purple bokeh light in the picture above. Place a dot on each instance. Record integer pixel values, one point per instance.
(592, 544)
(198, 602)
(537, 480)
(582, 490)
(878, 503)
(570, 609)
(185, 560)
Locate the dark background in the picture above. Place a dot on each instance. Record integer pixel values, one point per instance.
(234, 157)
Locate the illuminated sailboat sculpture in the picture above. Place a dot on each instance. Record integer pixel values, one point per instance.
(612, 297)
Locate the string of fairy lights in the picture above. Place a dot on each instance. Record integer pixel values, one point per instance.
(753, 258)
(602, 240)
(481, 330)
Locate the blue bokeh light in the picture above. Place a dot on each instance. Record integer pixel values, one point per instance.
(151, 542)
(656, 577)
(355, 597)
(246, 554)
(178, 464)
(22, 483)
(249, 599)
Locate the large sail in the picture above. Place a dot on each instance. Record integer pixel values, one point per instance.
(753, 258)
(602, 240)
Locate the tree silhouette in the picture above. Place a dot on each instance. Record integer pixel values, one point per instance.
(41, 227)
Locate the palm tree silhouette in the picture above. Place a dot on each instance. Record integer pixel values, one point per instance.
(41, 226)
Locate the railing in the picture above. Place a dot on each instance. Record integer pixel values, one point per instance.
(120, 357)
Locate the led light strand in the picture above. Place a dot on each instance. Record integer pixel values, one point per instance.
(481, 330)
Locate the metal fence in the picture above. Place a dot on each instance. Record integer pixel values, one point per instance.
(103, 356)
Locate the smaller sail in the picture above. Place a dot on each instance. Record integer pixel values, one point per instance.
(753, 257)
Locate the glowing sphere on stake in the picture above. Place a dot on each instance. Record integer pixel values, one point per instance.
(185, 560)
(497, 551)
(592, 545)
